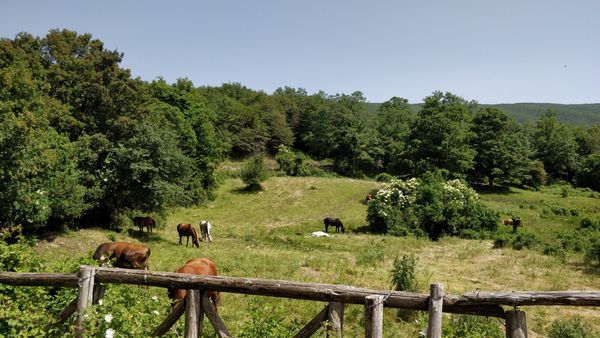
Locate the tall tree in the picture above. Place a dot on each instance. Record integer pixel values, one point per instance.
(440, 135)
(503, 152)
(393, 121)
(555, 146)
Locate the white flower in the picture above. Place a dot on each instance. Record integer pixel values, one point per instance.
(155, 312)
(108, 318)
(100, 302)
(155, 298)
(110, 333)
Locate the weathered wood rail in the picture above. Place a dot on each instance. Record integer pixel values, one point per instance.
(473, 303)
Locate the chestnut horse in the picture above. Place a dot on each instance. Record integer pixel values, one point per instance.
(333, 222)
(187, 230)
(142, 222)
(128, 255)
(197, 266)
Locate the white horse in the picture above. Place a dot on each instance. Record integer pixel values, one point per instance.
(205, 230)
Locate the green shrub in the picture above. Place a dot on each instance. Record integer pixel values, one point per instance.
(572, 328)
(501, 241)
(588, 223)
(555, 250)
(593, 251)
(524, 240)
(253, 172)
(384, 177)
(403, 274)
(403, 277)
(429, 206)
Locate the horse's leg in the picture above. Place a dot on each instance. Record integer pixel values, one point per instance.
(180, 240)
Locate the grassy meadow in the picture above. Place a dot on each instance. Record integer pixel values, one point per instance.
(266, 234)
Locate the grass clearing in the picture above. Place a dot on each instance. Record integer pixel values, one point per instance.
(266, 235)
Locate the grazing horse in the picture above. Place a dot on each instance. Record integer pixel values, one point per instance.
(514, 222)
(142, 222)
(197, 266)
(187, 230)
(128, 255)
(333, 222)
(205, 230)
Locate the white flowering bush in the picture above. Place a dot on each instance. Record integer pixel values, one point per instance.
(429, 206)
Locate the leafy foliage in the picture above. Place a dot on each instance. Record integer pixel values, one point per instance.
(429, 206)
(253, 172)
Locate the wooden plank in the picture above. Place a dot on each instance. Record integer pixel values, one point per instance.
(335, 314)
(314, 325)
(39, 279)
(176, 312)
(520, 298)
(374, 316)
(85, 298)
(192, 307)
(516, 324)
(213, 317)
(436, 302)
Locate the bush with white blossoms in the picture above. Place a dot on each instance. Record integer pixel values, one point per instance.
(430, 206)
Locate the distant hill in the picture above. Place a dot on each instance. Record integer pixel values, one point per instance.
(580, 114)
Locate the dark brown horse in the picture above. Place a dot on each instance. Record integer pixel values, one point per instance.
(187, 230)
(333, 222)
(197, 266)
(128, 255)
(142, 222)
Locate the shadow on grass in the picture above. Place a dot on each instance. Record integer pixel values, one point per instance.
(251, 189)
(146, 236)
(498, 189)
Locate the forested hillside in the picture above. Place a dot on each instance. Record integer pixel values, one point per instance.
(577, 114)
(83, 143)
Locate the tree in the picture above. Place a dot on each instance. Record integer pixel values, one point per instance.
(440, 136)
(253, 172)
(502, 150)
(555, 146)
(589, 173)
(393, 121)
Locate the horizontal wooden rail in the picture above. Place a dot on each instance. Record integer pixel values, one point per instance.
(477, 303)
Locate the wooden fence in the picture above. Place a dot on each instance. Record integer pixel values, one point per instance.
(89, 281)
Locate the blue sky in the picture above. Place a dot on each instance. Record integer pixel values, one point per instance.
(490, 51)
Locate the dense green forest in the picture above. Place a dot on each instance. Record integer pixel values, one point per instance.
(82, 142)
(576, 114)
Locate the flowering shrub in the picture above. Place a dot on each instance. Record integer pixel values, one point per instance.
(429, 206)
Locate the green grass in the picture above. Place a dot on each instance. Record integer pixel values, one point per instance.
(266, 235)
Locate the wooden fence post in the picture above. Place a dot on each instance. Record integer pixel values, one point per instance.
(436, 302)
(516, 324)
(374, 316)
(335, 314)
(85, 297)
(192, 307)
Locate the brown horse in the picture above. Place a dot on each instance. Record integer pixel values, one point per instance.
(514, 222)
(128, 255)
(197, 266)
(333, 222)
(142, 222)
(187, 230)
